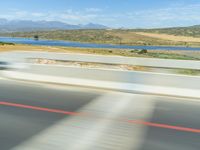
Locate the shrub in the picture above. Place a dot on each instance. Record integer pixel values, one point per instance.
(36, 37)
(143, 51)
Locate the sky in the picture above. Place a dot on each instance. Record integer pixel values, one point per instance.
(112, 13)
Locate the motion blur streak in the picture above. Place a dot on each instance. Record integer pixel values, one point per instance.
(140, 122)
(100, 130)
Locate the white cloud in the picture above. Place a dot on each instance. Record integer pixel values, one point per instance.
(178, 15)
(36, 14)
(93, 10)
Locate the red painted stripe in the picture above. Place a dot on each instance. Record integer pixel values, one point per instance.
(140, 122)
(164, 126)
(39, 108)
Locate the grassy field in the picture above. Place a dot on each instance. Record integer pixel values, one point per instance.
(182, 55)
(125, 37)
(170, 37)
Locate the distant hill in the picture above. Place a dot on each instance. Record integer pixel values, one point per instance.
(196, 26)
(28, 25)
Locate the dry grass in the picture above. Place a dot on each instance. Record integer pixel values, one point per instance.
(184, 55)
(90, 65)
(98, 51)
(169, 37)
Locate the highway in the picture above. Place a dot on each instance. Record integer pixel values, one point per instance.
(48, 117)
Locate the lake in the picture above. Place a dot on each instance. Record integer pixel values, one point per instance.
(89, 45)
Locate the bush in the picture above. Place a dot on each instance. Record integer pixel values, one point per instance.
(6, 43)
(143, 51)
(36, 37)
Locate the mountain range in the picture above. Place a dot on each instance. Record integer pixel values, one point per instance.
(29, 25)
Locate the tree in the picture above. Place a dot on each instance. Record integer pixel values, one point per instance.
(36, 37)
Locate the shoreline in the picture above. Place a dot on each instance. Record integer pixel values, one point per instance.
(105, 43)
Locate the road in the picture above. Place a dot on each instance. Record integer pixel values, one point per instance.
(44, 117)
(117, 60)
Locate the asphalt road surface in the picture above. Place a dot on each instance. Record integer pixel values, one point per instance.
(44, 117)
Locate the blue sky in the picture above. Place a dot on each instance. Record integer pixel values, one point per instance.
(113, 13)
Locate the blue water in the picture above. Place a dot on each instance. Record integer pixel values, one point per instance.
(88, 45)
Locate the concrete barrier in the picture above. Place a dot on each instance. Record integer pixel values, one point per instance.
(131, 82)
(136, 77)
